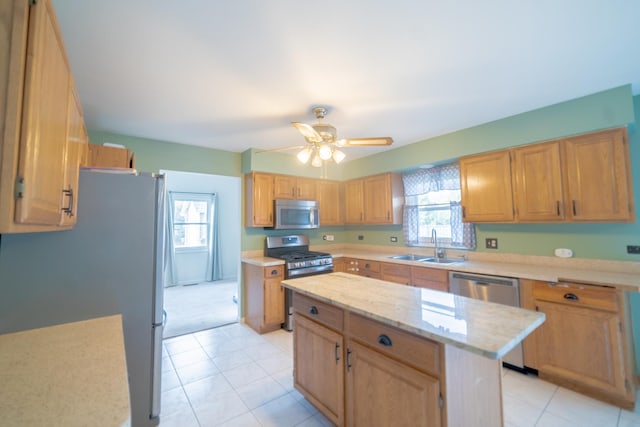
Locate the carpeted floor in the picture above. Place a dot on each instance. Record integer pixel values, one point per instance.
(194, 308)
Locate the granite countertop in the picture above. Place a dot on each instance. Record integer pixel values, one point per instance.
(73, 374)
(488, 329)
(619, 274)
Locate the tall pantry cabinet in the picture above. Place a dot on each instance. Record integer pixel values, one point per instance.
(43, 131)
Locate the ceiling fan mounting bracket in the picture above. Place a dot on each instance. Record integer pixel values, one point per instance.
(320, 112)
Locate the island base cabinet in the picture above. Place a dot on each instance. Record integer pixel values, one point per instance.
(318, 367)
(382, 392)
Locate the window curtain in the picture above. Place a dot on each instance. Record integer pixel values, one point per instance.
(214, 265)
(423, 181)
(170, 273)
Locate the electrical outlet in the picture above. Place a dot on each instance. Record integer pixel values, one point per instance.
(328, 237)
(360, 237)
(633, 249)
(393, 239)
(491, 243)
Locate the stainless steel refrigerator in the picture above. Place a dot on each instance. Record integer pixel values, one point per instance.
(110, 262)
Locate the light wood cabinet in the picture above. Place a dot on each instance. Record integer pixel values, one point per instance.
(585, 178)
(318, 367)
(537, 182)
(584, 343)
(263, 297)
(354, 201)
(37, 185)
(77, 141)
(430, 278)
(259, 196)
(485, 187)
(396, 273)
(384, 392)
(375, 199)
(598, 180)
(329, 195)
(101, 156)
(291, 187)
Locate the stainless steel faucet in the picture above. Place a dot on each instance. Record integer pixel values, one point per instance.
(437, 252)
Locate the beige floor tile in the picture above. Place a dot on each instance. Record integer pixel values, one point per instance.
(203, 391)
(260, 392)
(244, 420)
(189, 357)
(220, 409)
(582, 410)
(245, 374)
(197, 371)
(284, 411)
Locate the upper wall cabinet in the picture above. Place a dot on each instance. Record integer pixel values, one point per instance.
(291, 187)
(41, 113)
(580, 179)
(485, 186)
(375, 199)
(330, 197)
(259, 195)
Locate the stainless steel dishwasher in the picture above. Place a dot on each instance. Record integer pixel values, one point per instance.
(501, 290)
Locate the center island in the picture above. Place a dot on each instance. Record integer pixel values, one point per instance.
(374, 353)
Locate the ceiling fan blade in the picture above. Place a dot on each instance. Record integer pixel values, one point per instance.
(367, 142)
(307, 131)
(272, 150)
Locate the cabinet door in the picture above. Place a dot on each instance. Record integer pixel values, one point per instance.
(537, 181)
(485, 187)
(44, 120)
(377, 200)
(318, 368)
(306, 189)
(382, 392)
(273, 301)
(582, 346)
(329, 201)
(396, 273)
(259, 198)
(284, 187)
(77, 141)
(597, 173)
(354, 201)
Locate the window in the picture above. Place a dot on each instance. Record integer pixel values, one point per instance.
(432, 202)
(191, 221)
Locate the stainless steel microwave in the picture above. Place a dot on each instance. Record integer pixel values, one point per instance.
(296, 214)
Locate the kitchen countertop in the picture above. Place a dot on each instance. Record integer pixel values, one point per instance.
(488, 329)
(73, 374)
(619, 274)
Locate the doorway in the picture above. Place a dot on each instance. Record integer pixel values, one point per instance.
(202, 266)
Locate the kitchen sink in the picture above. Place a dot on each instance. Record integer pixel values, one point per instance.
(410, 257)
(435, 260)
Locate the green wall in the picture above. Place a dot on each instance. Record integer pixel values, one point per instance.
(153, 155)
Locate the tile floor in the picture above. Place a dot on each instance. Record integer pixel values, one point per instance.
(231, 376)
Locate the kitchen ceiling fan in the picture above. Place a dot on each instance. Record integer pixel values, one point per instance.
(323, 142)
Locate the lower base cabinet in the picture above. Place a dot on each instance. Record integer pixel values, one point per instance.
(384, 392)
(362, 373)
(263, 297)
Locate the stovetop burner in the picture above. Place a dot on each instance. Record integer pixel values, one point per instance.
(298, 258)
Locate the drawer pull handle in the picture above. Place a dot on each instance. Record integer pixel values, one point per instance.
(384, 340)
(337, 353)
(572, 297)
(274, 272)
(348, 360)
(313, 310)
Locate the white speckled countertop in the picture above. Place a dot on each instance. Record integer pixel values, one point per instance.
(73, 374)
(488, 329)
(620, 274)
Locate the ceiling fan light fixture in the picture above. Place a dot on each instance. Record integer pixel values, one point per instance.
(340, 142)
(338, 156)
(325, 151)
(316, 162)
(304, 155)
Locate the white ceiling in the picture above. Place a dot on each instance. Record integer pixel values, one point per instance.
(233, 74)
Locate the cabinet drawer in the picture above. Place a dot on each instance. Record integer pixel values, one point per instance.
(326, 314)
(397, 270)
(587, 296)
(416, 351)
(273, 271)
(371, 266)
(429, 274)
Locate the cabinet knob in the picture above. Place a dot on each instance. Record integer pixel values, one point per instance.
(570, 296)
(384, 340)
(313, 310)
